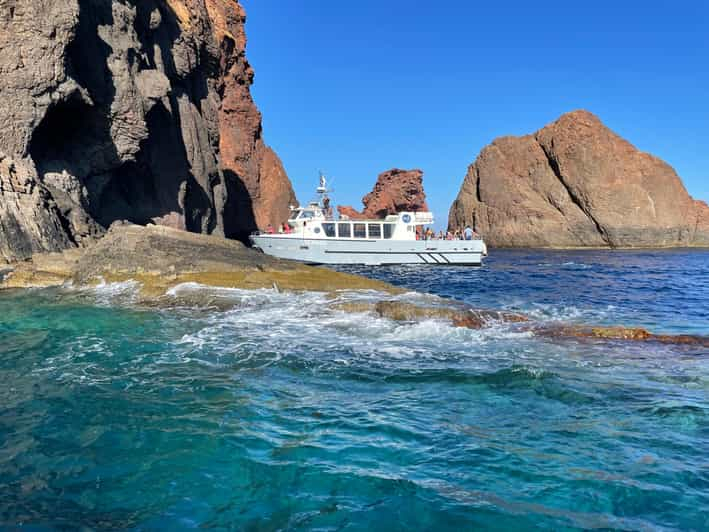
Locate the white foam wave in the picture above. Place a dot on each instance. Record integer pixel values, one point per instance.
(569, 265)
(108, 293)
(311, 323)
(562, 313)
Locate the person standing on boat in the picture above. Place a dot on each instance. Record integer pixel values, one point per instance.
(468, 233)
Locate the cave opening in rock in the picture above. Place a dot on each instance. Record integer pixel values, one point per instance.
(64, 138)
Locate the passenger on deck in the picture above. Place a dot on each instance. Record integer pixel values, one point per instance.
(269, 229)
(287, 229)
(280, 229)
(449, 236)
(468, 232)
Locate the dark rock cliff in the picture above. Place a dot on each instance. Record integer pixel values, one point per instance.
(121, 110)
(575, 183)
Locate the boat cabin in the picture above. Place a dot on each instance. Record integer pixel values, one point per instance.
(313, 222)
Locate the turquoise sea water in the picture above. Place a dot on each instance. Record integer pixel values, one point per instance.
(269, 411)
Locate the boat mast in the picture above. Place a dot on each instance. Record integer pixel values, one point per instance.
(322, 191)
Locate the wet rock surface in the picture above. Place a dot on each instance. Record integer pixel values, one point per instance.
(575, 183)
(460, 315)
(395, 191)
(126, 110)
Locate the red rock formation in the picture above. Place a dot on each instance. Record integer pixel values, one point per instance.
(349, 212)
(248, 163)
(395, 191)
(575, 183)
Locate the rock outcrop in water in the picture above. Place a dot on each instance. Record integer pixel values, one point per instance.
(395, 191)
(129, 110)
(160, 258)
(460, 315)
(575, 183)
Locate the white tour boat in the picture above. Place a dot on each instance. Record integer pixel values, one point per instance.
(316, 237)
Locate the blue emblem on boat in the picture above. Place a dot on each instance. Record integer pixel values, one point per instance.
(406, 218)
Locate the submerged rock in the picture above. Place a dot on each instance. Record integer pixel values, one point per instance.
(437, 308)
(632, 334)
(575, 183)
(395, 191)
(460, 315)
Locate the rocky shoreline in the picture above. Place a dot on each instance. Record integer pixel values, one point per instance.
(160, 258)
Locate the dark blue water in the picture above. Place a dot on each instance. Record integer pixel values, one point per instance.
(268, 411)
(667, 291)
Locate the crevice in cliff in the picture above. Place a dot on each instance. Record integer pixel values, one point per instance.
(478, 195)
(87, 55)
(572, 196)
(239, 216)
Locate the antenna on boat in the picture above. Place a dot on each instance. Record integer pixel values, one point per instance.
(322, 191)
(322, 188)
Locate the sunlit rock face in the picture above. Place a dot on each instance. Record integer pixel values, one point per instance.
(395, 191)
(575, 183)
(129, 110)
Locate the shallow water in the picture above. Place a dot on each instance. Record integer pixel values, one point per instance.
(273, 411)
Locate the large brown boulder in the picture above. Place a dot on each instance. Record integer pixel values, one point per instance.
(575, 183)
(138, 111)
(395, 191)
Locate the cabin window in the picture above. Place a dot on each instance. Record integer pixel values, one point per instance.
(329, 230)
(375, 230)
(306, 215)
(344, 230)
(360, 230)
(389, 230)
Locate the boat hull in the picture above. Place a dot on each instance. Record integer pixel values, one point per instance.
(372, 252)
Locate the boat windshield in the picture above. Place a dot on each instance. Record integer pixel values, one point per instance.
(306, 215)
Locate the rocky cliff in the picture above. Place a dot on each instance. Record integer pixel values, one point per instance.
(132, 110)
(575, 183)
(396, 190)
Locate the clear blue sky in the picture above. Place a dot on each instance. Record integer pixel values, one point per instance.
(356, 88)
